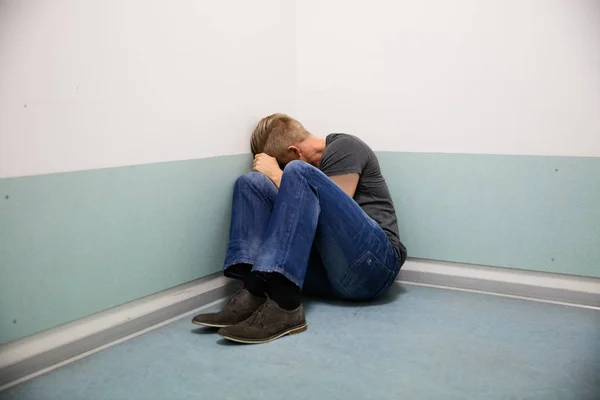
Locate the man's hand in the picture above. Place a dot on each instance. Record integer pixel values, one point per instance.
(269, 167)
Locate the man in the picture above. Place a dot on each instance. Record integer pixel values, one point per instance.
(325, 223)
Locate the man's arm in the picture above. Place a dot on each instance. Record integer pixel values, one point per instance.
(346, 182)
(269, 167)
(344, 162)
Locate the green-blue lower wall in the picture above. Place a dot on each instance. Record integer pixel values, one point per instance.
(73, 244)
(76, 243)
(528, 212)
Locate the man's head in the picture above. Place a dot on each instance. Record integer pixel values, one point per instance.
(284, 138)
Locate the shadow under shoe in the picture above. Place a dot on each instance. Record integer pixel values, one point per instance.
(239, 308)
(268, 323)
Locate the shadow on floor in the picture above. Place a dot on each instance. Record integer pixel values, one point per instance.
(390, 296)
(309, 301)
(205, 330)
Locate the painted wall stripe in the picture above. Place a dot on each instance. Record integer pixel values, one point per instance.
(77, 243)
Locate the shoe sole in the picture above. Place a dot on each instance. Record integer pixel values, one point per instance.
(292, 331)
(210, 325)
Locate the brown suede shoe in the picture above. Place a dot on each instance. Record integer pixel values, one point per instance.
(268, 323)
(239, 307)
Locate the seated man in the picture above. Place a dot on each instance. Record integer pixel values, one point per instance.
(325, 223)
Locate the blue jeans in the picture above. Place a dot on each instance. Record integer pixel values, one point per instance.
(311, 232)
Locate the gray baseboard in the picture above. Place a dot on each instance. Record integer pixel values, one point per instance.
(575, 290)
(34, 354)
(74, 348)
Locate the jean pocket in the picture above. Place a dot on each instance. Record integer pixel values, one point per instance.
(367, 278)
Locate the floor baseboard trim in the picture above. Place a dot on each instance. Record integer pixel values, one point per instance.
(552, 287)
(40, 351)
(34, 354)
(508, 296)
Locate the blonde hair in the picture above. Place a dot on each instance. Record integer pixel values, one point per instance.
(275, 133)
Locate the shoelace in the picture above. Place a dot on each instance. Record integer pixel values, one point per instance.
(257, 317)
(234, 298)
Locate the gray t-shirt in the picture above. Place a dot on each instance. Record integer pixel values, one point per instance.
(347, 154)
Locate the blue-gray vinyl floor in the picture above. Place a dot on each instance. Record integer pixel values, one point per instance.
(419, 343)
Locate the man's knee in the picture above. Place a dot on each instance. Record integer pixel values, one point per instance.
(297, 167)
(254, 179)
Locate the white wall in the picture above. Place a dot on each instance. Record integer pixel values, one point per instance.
(90, 84)
(466, 76)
